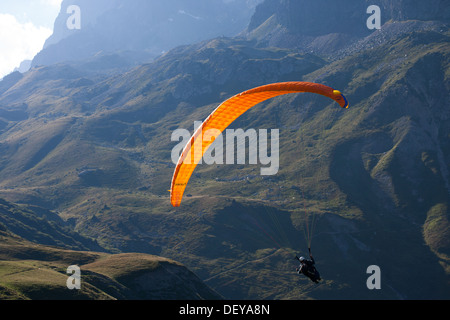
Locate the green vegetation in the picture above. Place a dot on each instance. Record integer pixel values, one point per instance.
(33, 271)
(97, 153)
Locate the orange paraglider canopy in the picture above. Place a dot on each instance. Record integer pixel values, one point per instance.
(225, 114)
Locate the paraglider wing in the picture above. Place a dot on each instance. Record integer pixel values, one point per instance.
(224, 115)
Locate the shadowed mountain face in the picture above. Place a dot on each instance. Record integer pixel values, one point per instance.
(343, 16)
(326, 26)
(96, 148)
(139, 30)
(31, 271)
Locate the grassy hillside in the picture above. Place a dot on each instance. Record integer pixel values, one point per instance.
(38, 272)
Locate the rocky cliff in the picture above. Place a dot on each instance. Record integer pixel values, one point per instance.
(327, 26)
(139, 30)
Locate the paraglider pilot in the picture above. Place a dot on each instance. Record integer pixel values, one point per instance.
(307, 268)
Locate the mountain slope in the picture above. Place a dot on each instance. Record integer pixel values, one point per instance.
(331, 28)
(139, 30)
(360, 148)
(42, 226)
(34, 271)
